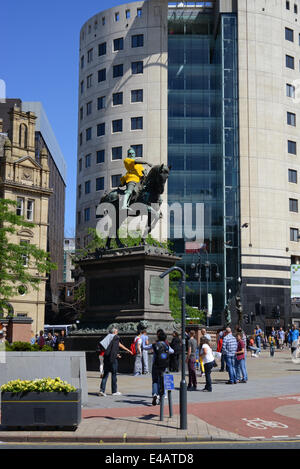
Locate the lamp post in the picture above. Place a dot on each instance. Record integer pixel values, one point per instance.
(183, 386)
(198, 266)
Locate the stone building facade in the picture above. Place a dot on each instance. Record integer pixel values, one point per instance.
(26, 181)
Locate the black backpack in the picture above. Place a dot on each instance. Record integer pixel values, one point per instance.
(162, 355)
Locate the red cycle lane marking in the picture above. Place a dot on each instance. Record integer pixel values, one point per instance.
(229, 416)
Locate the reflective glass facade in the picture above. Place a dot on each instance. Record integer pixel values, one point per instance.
(203, 144)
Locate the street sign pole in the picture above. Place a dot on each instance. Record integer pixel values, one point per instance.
(183, 385)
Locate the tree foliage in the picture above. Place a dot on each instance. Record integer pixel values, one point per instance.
(21, 265)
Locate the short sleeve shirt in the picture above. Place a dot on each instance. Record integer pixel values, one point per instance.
(192, 343)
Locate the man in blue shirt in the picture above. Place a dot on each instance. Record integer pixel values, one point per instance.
(293, 338)
(229, 348)
(258, 334)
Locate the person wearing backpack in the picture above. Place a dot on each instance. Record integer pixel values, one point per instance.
(138, 363)
(161, 351)
(111, 356)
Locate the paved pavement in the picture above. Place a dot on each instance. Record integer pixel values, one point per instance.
(267, 407)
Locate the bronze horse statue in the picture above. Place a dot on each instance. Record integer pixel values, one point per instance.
(148, 192)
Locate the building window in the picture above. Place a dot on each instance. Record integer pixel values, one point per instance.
(101, 75)
(100, 156)
(291, 119)
(287, 5)
(293, 176)
(137, 40)
(82, 87)
(295, 8)
(117, 70)
(118, 44)
(138, 150)
(102, 49)
(88, 160)
(103, 20)
(100, 184)
(290, 61)
(127, 14)
(101, 102)
(139, 12)
(289, 34)
(25, 256)
(79, 191)
(80, 165)
(81, 113)
(116, 180)
(78, 218)
(20, 207)
(292, 147)
(88, 133)
(117, 125)
(136, 123)
(290, 90)
(101, 129)
(116, 153)
(82, 62)
(90, 56)
(87, 214)
(29, 211)
(137, 67)
(137, 96)
(117, 98)
(80, 138)
(87, 187)
(117, 16)
(89, 81)
(294, 233)
(293, 204)
(89, 108)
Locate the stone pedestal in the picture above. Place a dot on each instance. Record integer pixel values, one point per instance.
(123, 289)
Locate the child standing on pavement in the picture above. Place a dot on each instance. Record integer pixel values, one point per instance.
(272, 343)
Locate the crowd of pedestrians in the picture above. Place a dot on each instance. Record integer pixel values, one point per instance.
(231, 350)
(56, 341)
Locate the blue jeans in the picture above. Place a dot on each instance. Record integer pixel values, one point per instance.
(157, 382)
(113, 369)
(240, 368)
(230, 363)
(258, 342)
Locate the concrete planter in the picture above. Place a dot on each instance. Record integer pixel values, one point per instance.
(41, 409)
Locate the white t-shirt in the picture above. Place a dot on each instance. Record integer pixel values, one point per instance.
(208, 357)
(138, 341)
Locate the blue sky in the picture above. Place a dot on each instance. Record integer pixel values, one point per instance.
(39, 62)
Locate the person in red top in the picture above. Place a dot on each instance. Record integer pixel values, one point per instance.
(240, 363)
(220, 334)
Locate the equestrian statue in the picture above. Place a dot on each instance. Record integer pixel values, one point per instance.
(137, 186)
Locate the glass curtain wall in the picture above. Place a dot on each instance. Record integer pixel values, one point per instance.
(196, 145)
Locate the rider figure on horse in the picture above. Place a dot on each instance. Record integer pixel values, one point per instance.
(134, 175)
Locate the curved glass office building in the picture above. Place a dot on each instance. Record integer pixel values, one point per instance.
(209, 88)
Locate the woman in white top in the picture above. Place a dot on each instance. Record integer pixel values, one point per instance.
(208, 360)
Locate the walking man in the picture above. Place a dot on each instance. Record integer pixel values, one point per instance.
(191, 360)
(229, 349)
(111, 356)
(258, 335)
(293, 338)
(281, 336)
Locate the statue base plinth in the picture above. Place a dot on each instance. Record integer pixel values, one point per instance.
(124, 290)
